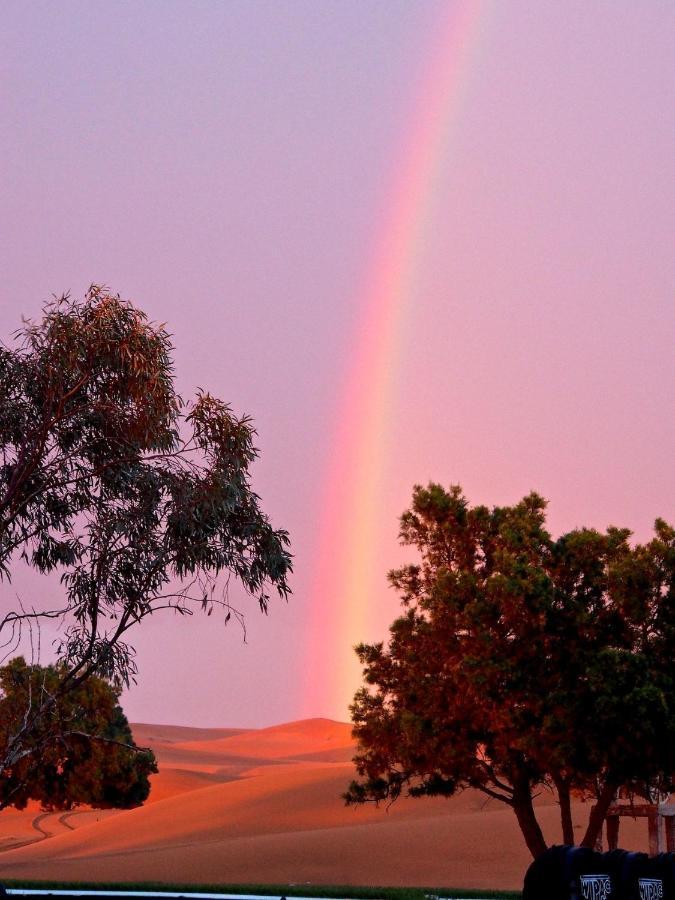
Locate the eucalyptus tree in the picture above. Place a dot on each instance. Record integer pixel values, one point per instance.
(140, 501)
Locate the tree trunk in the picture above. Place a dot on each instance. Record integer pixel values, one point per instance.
(564, 799)
(598, 813)
(527, 820)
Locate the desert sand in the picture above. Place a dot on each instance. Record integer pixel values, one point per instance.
(263, 806)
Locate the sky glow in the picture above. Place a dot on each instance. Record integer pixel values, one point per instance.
(413, 240)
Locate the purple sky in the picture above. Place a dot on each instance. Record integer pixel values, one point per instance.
(223, 164)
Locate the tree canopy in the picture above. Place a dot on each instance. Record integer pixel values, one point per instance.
(140, 501)
(81, 752)
(521, 662)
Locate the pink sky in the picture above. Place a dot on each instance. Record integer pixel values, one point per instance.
(226, 165)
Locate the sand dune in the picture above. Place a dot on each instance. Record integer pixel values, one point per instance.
(264, 806)
(16, 826)
(171, 782)
(151, 735)
(283, 741)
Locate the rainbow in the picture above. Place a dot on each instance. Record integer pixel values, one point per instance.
(345, 574)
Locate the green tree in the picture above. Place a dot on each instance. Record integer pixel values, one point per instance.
(521, 662)
(142, 502)
(82, 750)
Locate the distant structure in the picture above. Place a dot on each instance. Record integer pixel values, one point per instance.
(660, 825)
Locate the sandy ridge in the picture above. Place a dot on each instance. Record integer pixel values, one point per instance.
(238, 806)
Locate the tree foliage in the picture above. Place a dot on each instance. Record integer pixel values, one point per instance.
(140, 501)
(81, 752)
(521, 662)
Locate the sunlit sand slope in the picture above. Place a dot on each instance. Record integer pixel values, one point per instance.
(282, 741)
(264, 806)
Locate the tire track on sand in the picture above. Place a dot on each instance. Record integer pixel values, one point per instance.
(43, 833)
(37, 825)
